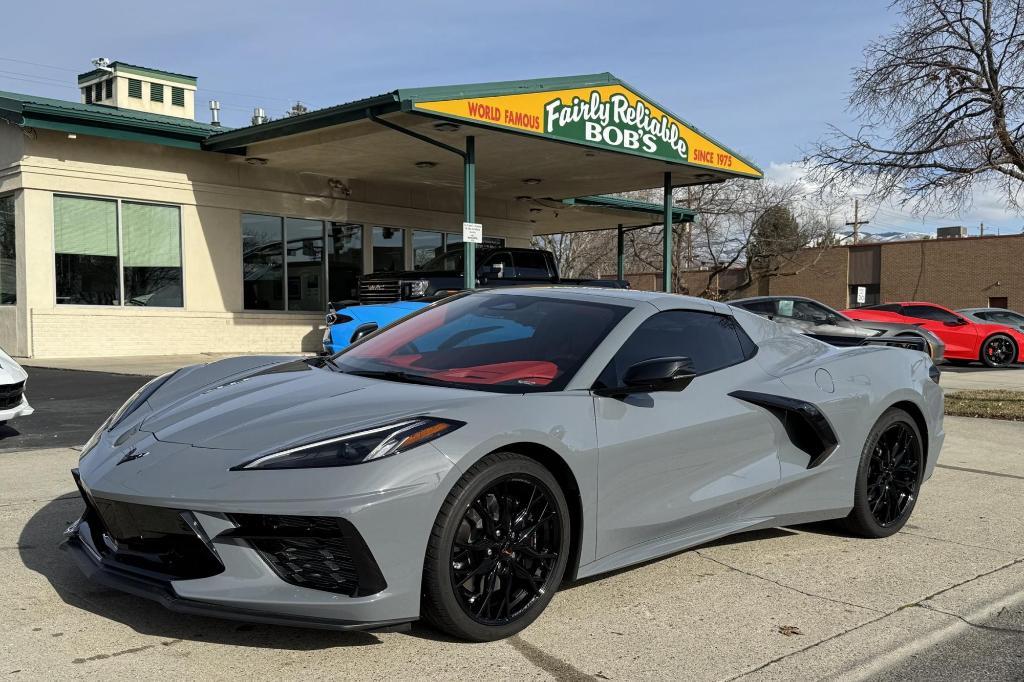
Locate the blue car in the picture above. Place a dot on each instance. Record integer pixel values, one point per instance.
(349, 324)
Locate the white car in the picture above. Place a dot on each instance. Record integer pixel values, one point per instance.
(13, 402)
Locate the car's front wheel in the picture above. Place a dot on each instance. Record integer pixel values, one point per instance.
(998, 350)
(498, 549)
(889, 476)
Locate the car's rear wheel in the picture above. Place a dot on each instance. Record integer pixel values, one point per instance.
(889, 476)
(498, 549)
(998, 350)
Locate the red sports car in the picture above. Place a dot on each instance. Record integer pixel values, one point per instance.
(996, 345)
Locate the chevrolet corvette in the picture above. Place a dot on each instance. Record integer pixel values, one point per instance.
(461, 465)
(992, 344)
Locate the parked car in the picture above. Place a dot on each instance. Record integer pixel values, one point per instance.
(995, 345)
(994, 316)
(816, 319)
(13, 401)
(346, 324)
(460, 465)
(496, 266)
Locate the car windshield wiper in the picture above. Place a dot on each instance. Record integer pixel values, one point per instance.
(396, 375)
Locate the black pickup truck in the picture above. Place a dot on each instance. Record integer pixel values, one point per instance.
(495, 266)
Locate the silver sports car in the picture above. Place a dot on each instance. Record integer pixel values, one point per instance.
(460, 465)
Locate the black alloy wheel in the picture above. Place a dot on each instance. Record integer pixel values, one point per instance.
(889, 476)
(894, 473)
(998, 351)
(498, 550)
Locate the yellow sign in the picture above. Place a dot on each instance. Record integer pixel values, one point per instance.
(607, 116)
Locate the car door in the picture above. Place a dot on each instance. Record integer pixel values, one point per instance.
(960, 336)
(672, 463)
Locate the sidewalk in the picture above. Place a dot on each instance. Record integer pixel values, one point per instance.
(142, 365)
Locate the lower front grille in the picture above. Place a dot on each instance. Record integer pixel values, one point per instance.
(10, 395)
(157, 542)
(318, 552)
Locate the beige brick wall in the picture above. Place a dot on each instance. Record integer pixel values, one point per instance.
(92, 331)
(957, 273)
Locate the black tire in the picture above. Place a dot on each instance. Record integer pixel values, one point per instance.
(494, 488)
(998, 350)
(888, 483)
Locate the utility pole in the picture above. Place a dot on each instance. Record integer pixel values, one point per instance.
(857, 222)
(982, 229)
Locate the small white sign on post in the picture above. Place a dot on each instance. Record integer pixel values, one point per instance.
(473, 233)
(862, 294)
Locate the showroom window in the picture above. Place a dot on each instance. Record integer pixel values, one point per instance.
(345, 260)
(8, 255)
(104, 246)
(298, 264)
(425, 246)
(388, 249)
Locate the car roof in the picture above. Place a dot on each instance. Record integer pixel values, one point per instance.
(630, 297)
(751, 299)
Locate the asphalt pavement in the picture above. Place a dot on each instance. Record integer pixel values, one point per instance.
(939, 600)
(69, 406)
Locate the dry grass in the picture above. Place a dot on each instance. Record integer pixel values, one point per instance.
(986, 404)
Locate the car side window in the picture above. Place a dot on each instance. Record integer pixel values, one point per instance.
(927, 312)
(712, 341)
(759, 307)
(885, 307)
(502, 261)
(531, 265)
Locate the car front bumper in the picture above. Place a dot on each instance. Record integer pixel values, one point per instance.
(390, 511)
(23, 409)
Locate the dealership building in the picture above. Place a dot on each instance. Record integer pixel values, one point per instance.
(128, 228)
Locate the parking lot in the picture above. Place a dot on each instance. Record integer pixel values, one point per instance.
(774, 604)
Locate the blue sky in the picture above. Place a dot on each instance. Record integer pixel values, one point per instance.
(764, 77)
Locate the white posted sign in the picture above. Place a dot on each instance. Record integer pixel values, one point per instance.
(473, 233)
(862, 294)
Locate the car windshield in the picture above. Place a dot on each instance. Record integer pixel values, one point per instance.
(494, 342)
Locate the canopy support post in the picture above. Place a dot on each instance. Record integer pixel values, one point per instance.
(666, 267)
(469, 203)
(620, 263)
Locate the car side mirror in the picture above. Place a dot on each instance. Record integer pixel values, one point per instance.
(658, 374)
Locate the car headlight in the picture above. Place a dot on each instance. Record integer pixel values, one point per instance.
(356, 448)
(416, 288)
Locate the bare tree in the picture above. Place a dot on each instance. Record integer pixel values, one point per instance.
(939, 101)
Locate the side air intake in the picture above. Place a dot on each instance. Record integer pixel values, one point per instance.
(806, 425)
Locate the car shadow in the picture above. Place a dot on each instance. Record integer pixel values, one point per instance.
(8, 431)
(39, 552)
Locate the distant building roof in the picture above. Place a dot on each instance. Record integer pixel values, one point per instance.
(105, 121)
(122, 67)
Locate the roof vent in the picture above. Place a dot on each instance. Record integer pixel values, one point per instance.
(259, 116)
(955, 232)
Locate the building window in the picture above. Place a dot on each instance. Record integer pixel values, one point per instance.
(425, 246)
(305, 263)
(156, 92)
(263, 262)
(109, 87)
(87, 93)
(85, 247)
(151, 236)
(178, 97)
(97, 92)
(344, 261)
(8, 255)
(388, 249)
(135, 88)
(92, 262)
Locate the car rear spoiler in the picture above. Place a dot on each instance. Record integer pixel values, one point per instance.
(911, 342)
